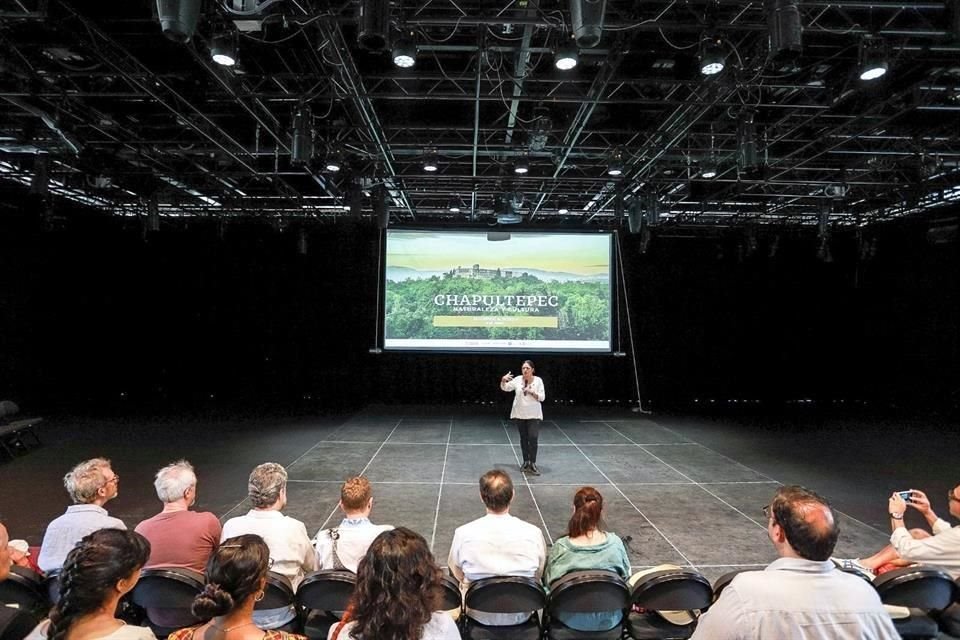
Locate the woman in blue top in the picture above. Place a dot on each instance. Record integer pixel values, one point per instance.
(587, 546)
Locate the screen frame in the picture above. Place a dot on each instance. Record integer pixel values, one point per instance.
(531, 349)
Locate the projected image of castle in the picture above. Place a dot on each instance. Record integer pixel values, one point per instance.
(476, 272)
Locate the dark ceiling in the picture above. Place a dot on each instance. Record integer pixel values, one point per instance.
(97, 101)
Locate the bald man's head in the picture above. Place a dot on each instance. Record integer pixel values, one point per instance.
(807, 520)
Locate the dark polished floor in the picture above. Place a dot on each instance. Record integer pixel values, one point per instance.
(686, 490)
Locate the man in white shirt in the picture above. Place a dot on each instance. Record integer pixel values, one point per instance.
(343, 546)
(917, 545)
(291, 553)
(802, 595)
(497, 544)
(91, 484)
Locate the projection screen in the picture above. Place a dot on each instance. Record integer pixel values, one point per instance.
(497, 291)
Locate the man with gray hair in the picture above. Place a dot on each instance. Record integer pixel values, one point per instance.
(91, 484)
(291, 553)
(178, 536)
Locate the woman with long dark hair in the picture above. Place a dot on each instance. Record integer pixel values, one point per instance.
(398, 593)
(236, 579)
(101, 569)
(587, 546)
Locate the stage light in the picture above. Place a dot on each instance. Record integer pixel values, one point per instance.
(374, 25)
(521, 166)
(302, 147)
(785, 29)
(178, 18)
(615, 165)
(873, 58)
(223, 50)
(635, 217)
(712, 55)
(709, 170)
(334, 162)
(430, 163)
(566, 56)
(748, 158)
(404, 53)
(586, 18)
(455, 205)
(562, 207)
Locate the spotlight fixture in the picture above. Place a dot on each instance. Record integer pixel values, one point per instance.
(521, 165)
(562, 206)
(586, 18)
(223, 50)
(712, 55)
(455, 205)
(430, 163)
(178, 18)
(334, 162)
(302, 147)
(709, 170)
(615, 165)
(374, 25)
(566, 56)
(873, 58)
(748, 155)
(405, 53)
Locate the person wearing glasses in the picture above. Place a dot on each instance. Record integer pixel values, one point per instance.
(91, 484)
(802, 595)
(913, 546)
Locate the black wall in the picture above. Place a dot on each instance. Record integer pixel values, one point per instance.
(92, 312)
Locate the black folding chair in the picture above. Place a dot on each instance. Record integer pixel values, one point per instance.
(324, 596)
(587, 592)
(676, 589)
(922, 589)
(279, 594)
(504, 595)
(167, 594)
(24, 588)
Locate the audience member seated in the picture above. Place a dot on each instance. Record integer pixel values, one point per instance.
(97, 573)
(20, 555)
(14, 623)
(916, 545)
(91, 484)
(236, 579)
(802, 595)
(343, 546)
(587, 546)
(291, 553)
(178, 536)
(497, 544)
(398, 593)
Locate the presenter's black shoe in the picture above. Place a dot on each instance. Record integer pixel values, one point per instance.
(532, 469)
(525, 466)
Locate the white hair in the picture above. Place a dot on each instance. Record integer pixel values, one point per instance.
(173, 481)
(84, 480)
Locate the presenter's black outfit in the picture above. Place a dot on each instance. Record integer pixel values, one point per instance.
(527, 411)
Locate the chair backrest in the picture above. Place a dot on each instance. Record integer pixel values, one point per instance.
(672, 590)
(169, 588)
(51, 583)
(921, 586)
(279, 592)
(327, 590)
(505, 594)
(721, 583)
(24, 588)
(451, 597)
(589, 591)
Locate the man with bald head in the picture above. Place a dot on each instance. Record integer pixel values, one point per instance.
(802, 595)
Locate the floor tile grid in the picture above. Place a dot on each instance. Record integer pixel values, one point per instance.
(623, 495)
(513, 448)
(698, 484)
(443, 473)
(680, 435)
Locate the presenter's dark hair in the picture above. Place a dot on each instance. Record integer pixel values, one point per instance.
(796, 510)
(587, 507)
(91, 573)
(398, 588)
(235, 573)
(496, 490)
(530, 362)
